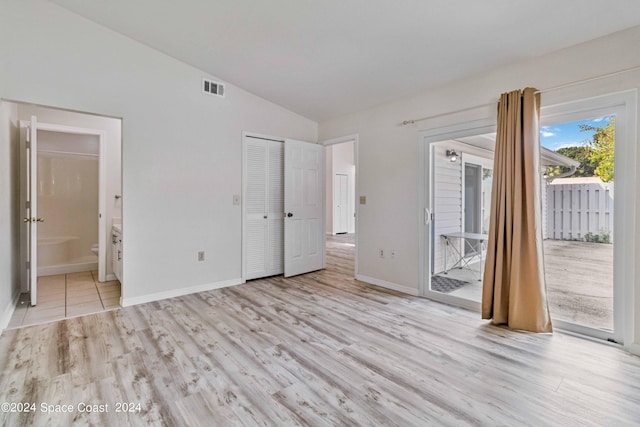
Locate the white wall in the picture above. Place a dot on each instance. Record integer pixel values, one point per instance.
(182, 150)
(113, 153)
(340, 160)
(9, 225)
(386, 145)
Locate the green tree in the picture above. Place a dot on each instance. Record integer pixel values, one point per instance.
(602, 147)
(580, 153)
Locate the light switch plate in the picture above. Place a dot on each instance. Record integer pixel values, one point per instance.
(363, 200)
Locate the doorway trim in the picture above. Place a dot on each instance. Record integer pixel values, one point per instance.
(348, 138)
(102, 190)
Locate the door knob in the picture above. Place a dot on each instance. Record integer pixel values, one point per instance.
(26, 220)
(40, 220)
(289, 215)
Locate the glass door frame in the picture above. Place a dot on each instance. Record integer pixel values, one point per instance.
(624, 106)
(620, 105)
(426, 201)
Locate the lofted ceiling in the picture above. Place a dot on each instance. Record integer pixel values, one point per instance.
(326, 58)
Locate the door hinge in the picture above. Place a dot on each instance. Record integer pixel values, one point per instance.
(27, 204)
(28, 136)
(28, 265)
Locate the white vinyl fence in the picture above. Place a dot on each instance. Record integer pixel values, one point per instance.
(580, 212)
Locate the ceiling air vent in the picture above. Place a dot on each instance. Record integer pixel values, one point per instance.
(213, 88)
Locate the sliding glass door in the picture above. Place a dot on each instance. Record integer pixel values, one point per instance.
(580, 229)
(588, 200)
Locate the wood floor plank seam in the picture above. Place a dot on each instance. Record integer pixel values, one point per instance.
(313, 350)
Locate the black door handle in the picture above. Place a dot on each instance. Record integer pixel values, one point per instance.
(289, 215)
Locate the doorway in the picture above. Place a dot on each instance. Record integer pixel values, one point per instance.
(341, 203)
(609, 264)
(70, 198)
(341, 198)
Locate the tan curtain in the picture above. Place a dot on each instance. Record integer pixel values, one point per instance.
(514, 291)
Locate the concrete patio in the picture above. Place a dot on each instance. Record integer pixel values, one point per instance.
(579, 278)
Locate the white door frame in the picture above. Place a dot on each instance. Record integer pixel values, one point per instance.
(348, 138)
(484, 163)
(102, 186)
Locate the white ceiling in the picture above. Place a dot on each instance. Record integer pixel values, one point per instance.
(326, 58)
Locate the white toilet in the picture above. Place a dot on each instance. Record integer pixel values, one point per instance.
(94, 249)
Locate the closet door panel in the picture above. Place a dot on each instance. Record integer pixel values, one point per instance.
(255, 232)
(275, 204)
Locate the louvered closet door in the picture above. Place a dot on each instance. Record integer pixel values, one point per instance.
(275, 204)
(263, 235)
(255, 231)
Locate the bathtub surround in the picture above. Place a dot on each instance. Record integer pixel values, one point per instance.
(68, 201)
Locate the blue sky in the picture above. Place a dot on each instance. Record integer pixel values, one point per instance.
(568, 134)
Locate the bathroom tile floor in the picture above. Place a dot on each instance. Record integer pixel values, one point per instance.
(66, 295)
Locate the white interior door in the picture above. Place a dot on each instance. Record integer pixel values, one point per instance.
(341, 203)
(31, 220)
(304, 207)
(263, 208)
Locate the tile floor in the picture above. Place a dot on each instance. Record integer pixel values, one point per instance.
(67, 295)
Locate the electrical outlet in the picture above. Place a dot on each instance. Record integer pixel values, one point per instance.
(393, 253)
(236, 199)
(381, 252)
(201, 256)
(363, 200)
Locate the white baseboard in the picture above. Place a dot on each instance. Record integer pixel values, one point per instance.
(633, 349)
(388, 285)
(7, 313)
(125, 302)
(67, 268)
(110, 277)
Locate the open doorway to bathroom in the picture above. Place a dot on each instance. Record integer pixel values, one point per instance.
(340, 203)
(70, 201)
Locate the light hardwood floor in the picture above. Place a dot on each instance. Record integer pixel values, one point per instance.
(318, 349)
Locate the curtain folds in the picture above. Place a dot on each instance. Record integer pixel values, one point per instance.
(514, 289)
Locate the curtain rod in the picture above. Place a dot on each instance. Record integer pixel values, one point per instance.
(602, 76)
